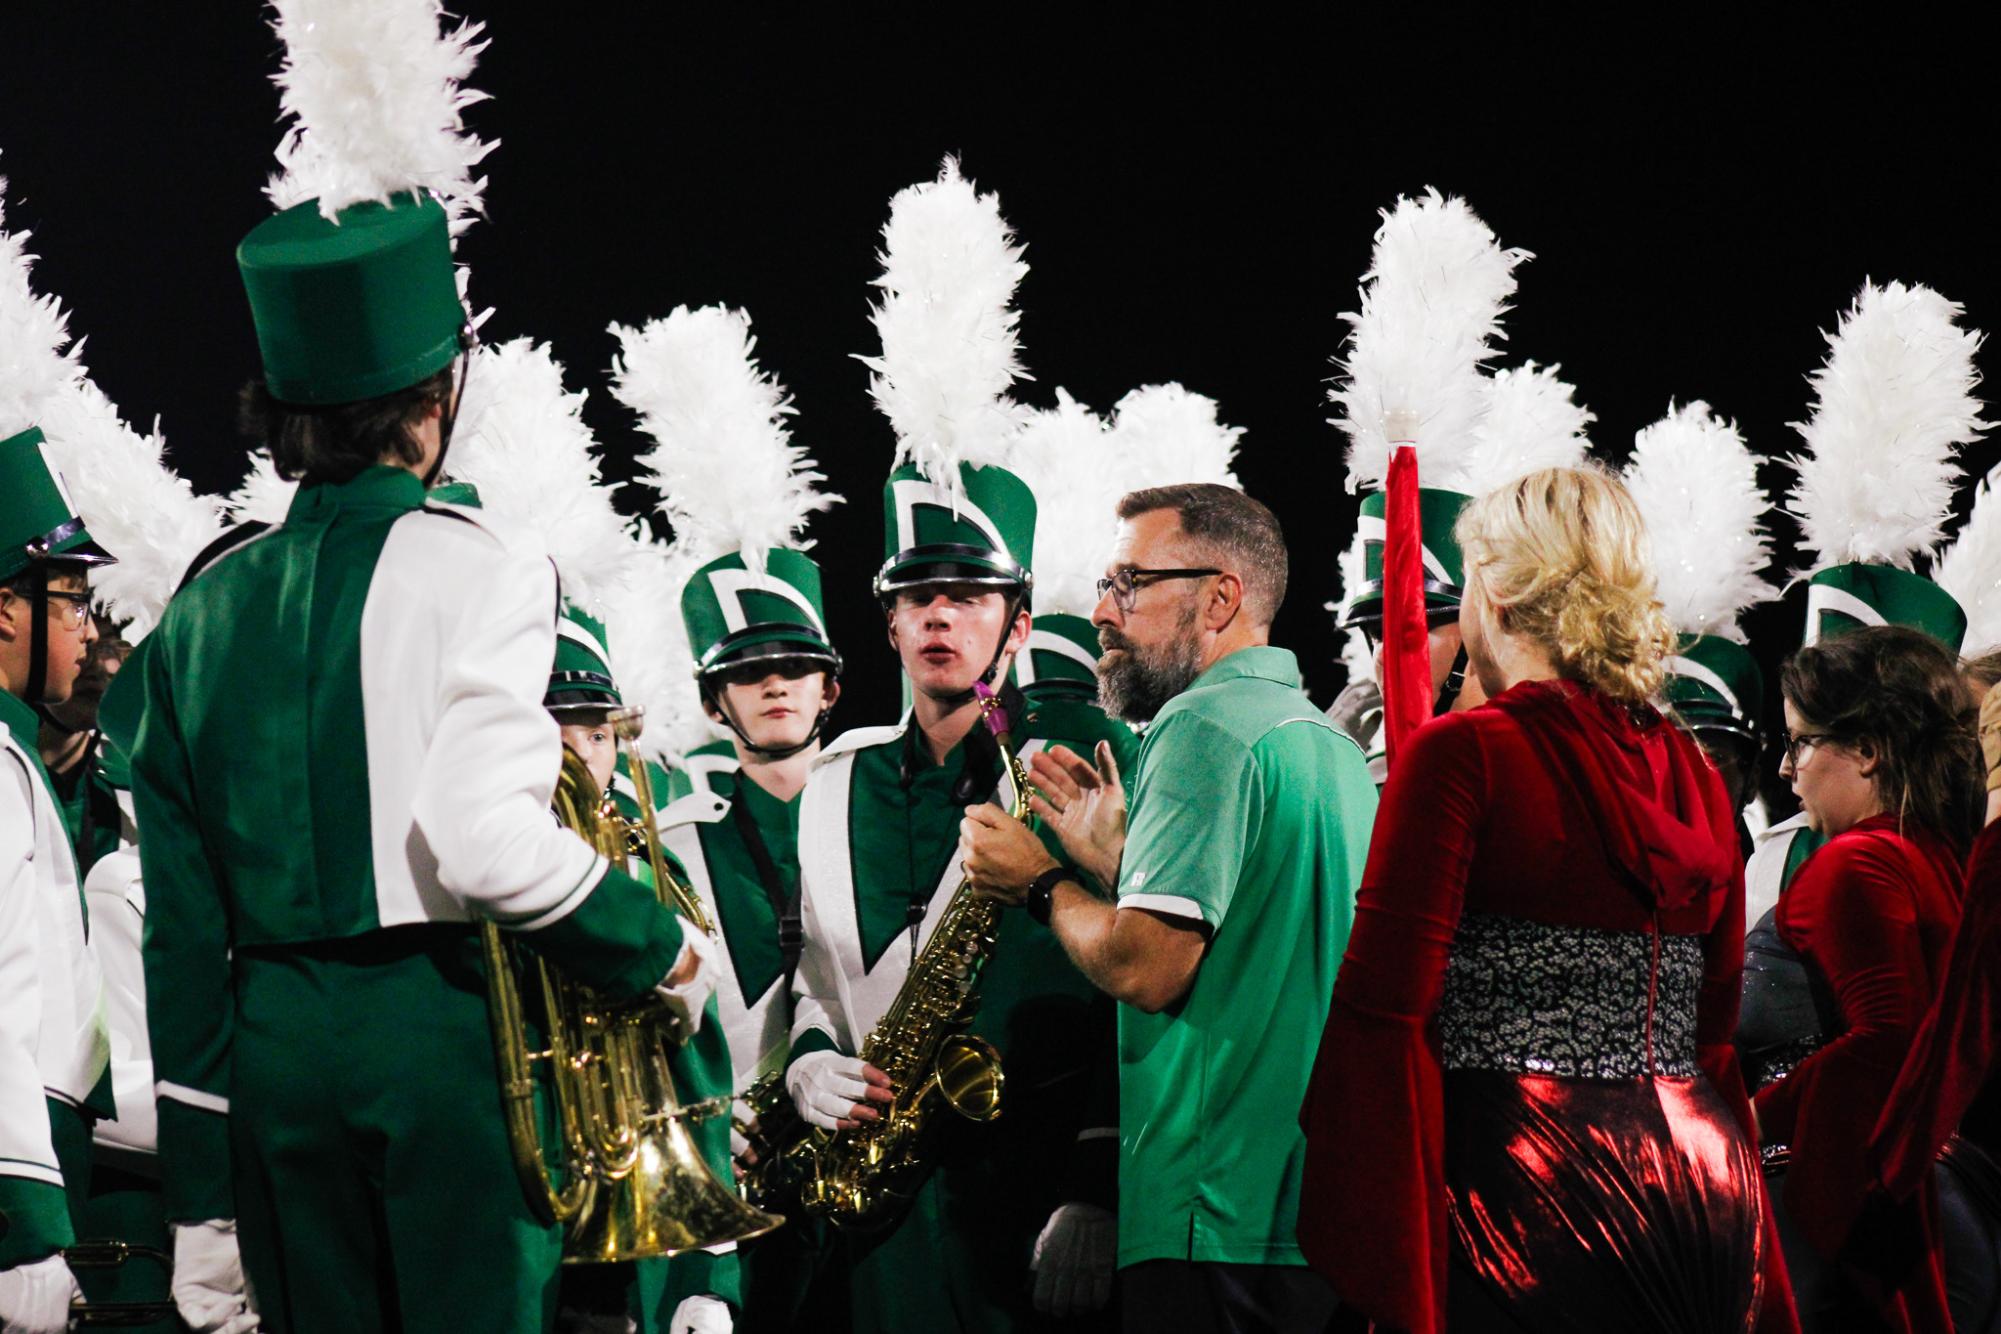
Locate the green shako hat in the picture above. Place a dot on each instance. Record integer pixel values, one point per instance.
(1444, 566)
(581, 676)
(350, 283)
(983, 535)
(1063, 651)
(1849, 597)
(38, 521)
(456, 493)
(356, 306)
(1715, 684)
(1894, 407)
(734, 613)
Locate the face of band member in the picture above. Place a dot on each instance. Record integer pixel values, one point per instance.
(1152, 643)
(1445, 637)
(596, 745)
(71, 633)
(1834, 780)
(107, 655)
(945, 634)
(776, 701)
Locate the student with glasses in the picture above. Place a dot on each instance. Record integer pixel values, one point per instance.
(54, 1048)
(1880, 747)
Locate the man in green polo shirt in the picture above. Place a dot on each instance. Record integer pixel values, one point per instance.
(1236, 878)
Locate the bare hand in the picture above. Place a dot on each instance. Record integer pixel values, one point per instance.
(1002, 856)
(1085, 805)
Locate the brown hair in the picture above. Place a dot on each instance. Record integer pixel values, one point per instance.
(336, 442)
(1898, 695)
(1243, 535)
(1563, 554)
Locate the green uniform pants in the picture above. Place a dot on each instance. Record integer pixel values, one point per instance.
(955, 1264)
(375, 1188)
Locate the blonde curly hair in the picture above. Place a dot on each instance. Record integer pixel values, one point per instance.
(1562, 554)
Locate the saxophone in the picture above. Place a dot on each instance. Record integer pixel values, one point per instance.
(865, 1175)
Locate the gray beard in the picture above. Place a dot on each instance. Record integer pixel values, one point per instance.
(1137, 684)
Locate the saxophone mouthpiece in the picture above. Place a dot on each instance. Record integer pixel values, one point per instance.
(991, 712)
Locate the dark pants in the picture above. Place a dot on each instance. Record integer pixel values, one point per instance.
(375, 1185)
(1184, 1295)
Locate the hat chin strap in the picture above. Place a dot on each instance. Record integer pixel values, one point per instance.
(38, 641)
(722, 706)
(449, 417)
(1455, 681)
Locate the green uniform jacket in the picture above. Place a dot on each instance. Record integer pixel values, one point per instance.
(343, 731)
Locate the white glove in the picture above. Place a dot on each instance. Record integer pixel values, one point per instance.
(689, 999)
(35, 1298)
(1073, 1260)
(825, 1086)
(701, 1315)
(208, 1279)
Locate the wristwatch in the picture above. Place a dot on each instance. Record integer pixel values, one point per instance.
(1042, 891)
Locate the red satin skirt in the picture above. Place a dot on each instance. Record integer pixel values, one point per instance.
(1631, 1205)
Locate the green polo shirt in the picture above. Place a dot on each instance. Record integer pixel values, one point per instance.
(1251, 813)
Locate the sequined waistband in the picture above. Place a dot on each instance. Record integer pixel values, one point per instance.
(1532, 998)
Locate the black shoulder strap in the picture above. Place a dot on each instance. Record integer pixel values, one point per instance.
(219, 548)
(784, 898)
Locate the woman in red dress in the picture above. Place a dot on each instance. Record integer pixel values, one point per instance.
(1526, 1113)
(1881, 750)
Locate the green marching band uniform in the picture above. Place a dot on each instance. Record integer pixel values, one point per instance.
(1838, 599)
(330, 793)
(740, 847)
(879, 859)
(581, 681)
(55, 1050)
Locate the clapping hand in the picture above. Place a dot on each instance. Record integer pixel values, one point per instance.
(1085, 804)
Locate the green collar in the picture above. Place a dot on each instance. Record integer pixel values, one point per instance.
(917, 752)
(766, 809)
(379, 487)
(1261, 661)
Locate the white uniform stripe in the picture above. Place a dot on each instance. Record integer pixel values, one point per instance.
(208, 1102)
(1170, 905)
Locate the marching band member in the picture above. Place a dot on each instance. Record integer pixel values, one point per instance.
(879, 819)
(1235, 884)
(54, 1050)
(1695, 482)
(317, 1011)
(1525, 1104)
(739, 493)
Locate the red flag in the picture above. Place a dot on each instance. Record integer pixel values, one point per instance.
(1407, 696)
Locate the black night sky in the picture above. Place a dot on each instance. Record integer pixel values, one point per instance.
(1197, 198)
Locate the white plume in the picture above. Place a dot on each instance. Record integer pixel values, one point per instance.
(135, 507)
(132, 503)
(527, 450)
(949, 270)
(728, 474)
(1529, 421)
(1970, 570)
(374, 93)
(1695, 482)
(264, 496)
(650, 656)
(1065, 456)
(1893, 404)
(1431, 308)
(1356, 657)
(34, 331)
(1163, 435)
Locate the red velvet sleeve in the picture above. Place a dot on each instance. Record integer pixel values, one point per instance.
(1851, 914)
(1957, 1045)
(1372, 1214)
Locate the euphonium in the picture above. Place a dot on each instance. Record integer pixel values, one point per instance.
(863, 1176)
(632, 1182)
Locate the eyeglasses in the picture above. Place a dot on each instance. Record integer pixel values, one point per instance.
(1125, 585)
(75, 607)
(1792, 745)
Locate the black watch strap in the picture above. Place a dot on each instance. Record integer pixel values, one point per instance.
(1042, 892)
